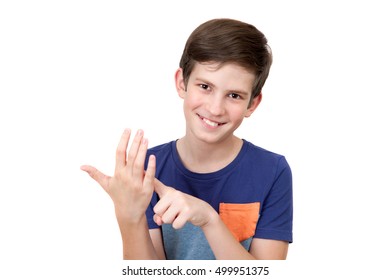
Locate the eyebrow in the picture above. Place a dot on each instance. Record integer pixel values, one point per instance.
(241, 92)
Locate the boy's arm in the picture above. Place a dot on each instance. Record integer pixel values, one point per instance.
(267, 249)
(131, 189)
(225, 246)
(156, 236)
(177, 208)
(136, 241)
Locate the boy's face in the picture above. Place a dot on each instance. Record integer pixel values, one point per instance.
(216, 100)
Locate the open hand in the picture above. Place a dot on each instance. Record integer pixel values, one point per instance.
(130, 188)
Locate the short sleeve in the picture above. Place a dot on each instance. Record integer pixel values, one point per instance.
(276, 213)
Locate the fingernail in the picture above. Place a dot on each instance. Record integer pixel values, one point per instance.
(140, 132)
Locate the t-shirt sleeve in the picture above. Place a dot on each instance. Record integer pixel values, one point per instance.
(276, 213)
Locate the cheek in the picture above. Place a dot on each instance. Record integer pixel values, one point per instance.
(189, 105)
(192, 101)
(238, 113)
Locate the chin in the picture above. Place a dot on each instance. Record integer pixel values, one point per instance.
(212, 138)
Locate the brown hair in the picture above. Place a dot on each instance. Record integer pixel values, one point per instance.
(229, 41)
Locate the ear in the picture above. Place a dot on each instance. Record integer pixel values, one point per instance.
(255, 102)
(179, 81)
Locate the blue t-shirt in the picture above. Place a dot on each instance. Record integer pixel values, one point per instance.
(253, 196)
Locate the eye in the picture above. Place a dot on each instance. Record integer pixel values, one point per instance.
(204, 86)
(234, 95)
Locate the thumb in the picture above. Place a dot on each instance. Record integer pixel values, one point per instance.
(160, 188)
(95, 174)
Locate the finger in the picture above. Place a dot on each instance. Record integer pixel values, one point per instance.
(121, 149)
(95, 174)
(157, 219)
(139, 162)
(180, 221)
(160, 188)
(133, 151)
(150, 172)
(162, 206)
(169, 215)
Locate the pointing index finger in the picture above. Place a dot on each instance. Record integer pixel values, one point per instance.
(160, 188)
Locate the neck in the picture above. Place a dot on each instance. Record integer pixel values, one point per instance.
(201, 157)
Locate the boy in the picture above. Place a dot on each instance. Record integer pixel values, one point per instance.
(211, 195)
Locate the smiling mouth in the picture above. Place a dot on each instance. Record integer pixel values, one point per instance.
(210, 122)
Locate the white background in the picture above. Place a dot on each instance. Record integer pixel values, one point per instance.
(74, 74)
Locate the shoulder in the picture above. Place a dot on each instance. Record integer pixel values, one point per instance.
(265, 166)
(161, 149)
(164, 154)
(263, 158)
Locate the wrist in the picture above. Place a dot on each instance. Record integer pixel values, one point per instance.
(212, 221)
(128, 217)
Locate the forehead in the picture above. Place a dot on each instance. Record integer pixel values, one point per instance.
(227, 75)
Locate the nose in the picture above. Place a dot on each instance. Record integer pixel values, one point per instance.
(216, 105)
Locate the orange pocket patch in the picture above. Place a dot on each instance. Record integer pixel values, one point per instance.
(241, 219)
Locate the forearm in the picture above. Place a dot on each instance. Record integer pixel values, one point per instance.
(136, 241)
(222, 242)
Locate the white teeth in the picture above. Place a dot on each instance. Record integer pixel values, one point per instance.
(210, 122)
